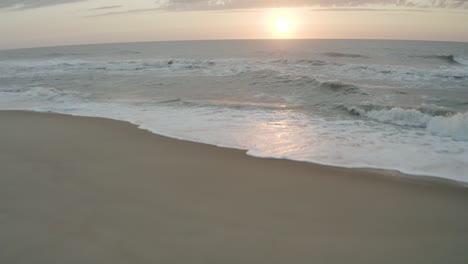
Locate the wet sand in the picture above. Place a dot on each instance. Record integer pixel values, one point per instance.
(91, 190)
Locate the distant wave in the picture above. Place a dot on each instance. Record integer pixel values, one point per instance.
(170, 101)
(344, 55)
(308, 62)
(340, 87)
(313, 62)
(452, 76)
(127, 52)
(450, 59)
(59, 54)
(271, 78)
(231, 104)
(50, 65)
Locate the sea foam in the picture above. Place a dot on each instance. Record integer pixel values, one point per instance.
(454, 126)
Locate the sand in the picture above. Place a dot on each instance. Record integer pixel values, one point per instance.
(90, 190)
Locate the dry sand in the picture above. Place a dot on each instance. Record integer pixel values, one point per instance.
(89, 190)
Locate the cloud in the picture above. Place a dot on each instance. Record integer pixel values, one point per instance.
(186, 5)
(141, 10)
(105, 7)
(316, 5)
(28, 4)
(144, 10)
(244, 4)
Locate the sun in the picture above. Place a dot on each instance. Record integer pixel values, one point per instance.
(282, 25)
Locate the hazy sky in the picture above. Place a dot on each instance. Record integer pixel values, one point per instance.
(30, 23)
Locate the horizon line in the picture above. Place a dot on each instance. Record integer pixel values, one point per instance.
(240, 39)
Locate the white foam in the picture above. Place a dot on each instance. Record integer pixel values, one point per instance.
(461, 60)
(400, 116)
(455, 126)
(295, 136)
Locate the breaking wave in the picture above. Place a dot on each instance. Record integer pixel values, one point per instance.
(454, 125)
(462, 61)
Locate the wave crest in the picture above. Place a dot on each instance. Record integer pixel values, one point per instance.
(454, 125)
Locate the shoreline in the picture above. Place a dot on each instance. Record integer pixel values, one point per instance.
(95, 190)
(391, 174)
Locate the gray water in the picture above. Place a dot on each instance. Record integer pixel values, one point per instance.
(399, 105)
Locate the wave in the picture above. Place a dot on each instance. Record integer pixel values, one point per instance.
(53, 95)
(226, 104)
(343, 55)
(127, 52)
(440, 122)
(362, 109)
(462, 61)
(53, 65)
(307, 62)
(340, 87)
(455, 126)
(452, 76)
(306, 88)
(300, 90)
(400, 116)
(273, 78)
(59, 54)
(450, 59)
(313, 62)
(46, 94)
(170, 101)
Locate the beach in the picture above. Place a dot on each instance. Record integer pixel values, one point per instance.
(93, 190)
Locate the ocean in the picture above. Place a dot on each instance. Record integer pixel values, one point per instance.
(395, 105)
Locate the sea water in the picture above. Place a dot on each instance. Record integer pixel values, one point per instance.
(397, 105)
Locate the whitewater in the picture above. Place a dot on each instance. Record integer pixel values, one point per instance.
(395, 105)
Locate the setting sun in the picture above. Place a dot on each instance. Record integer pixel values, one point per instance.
(282, 25)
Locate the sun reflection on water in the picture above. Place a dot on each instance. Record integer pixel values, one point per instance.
(283, 135)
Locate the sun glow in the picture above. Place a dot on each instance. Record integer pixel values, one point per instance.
(282, 25)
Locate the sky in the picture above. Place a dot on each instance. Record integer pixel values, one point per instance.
(37, 23)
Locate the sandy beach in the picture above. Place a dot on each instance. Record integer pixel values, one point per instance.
(90, 190)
